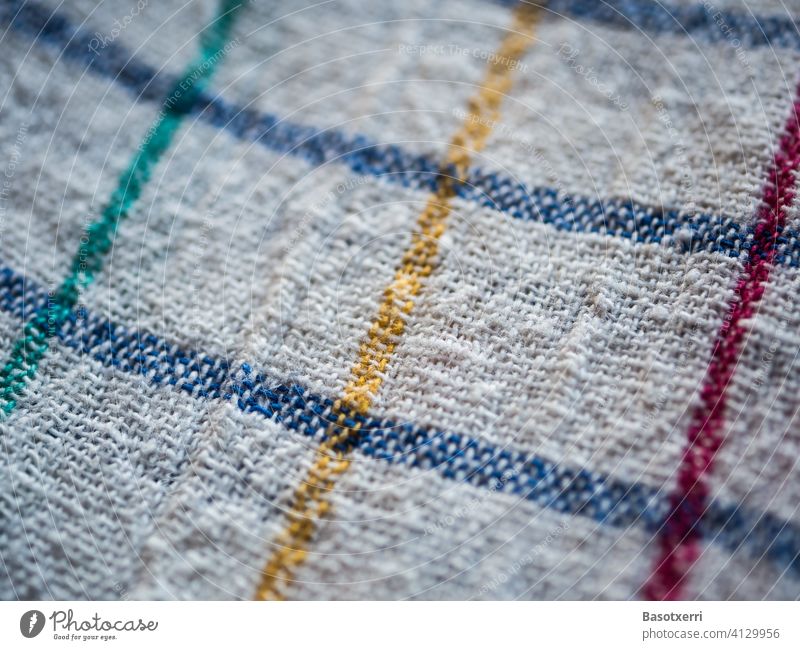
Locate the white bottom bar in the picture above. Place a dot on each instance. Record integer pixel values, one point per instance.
(385, 626)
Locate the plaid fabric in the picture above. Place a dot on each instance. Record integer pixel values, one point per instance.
(445, 300)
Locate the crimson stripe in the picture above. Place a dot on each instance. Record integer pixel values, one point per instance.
(679, 541)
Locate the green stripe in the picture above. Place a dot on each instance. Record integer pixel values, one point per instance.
(29, 350)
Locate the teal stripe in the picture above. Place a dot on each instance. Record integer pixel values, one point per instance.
(89, 259)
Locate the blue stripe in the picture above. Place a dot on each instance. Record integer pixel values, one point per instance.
(116, 63)
(454, 456)
(697, 22)
(621, 218)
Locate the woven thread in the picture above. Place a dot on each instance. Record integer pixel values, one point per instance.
(311, 501)
(30, 349)
(679, 538)
(540, 383)
(456, 456)
(615, 217)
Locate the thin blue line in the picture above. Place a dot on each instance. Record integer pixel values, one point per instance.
(656, 18)
(621, 217)
(454, 456)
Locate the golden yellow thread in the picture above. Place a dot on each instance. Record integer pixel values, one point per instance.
(311, 501)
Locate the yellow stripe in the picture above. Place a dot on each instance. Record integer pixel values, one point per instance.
(311, 500)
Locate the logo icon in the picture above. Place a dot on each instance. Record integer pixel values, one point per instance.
(31, 623)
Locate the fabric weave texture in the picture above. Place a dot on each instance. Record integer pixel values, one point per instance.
(459, 300)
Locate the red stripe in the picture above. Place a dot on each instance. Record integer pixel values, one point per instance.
(679, 537)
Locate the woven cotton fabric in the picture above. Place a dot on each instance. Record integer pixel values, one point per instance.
(453, 300)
